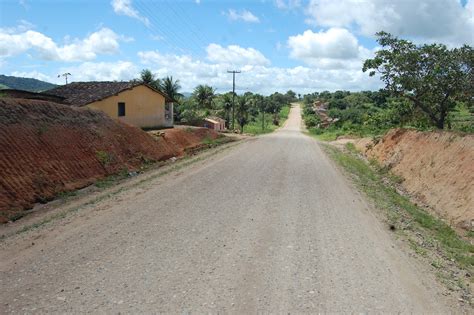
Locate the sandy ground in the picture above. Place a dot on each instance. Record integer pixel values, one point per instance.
(270, 225)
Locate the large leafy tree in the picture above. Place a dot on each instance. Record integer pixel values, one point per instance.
(204, 94)
(432, 77)
(171, 88)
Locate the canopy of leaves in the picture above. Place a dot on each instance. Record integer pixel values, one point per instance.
(147, 77)
(171, 88)
(204, 95)
(432, 77)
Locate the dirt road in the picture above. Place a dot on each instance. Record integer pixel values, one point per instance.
(269, 225)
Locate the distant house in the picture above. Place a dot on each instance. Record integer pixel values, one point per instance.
(132, 102)
(215, 123)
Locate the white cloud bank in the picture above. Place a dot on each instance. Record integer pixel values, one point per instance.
(102, 71)
(234, 55)
(257, 73)
(104, 41)
(255, 77)
(446, 21)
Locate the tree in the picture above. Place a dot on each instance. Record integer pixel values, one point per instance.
(224, 105)
(291, 96)
(147, 77)
(242, 114)
(432, 77)
(171, 88)
(204, 95)
(188, 111)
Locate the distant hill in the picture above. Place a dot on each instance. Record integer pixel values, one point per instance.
(27, 84)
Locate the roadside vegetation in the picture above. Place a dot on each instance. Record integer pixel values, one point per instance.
(426, 235)
(426, 87)
(251, 113)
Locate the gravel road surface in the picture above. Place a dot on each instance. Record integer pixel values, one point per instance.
(270, 225)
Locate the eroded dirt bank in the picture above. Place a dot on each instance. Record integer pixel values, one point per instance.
(436, 167)
(47, 149)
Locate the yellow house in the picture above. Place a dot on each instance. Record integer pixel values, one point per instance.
(135, 103)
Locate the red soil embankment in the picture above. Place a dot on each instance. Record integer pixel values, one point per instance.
(48, 148)
(436, 167)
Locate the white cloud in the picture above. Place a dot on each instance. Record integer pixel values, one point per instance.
(33, 74)
(427, 20)
(235, 55)
(335, 48)
(336, 43)
(287, 4)
(104, 41)
(243, 15)
(156, 37)
(102, 71)
(87, 71)
(256, 78)
(24, 4)
(22, 26)
(124, 7)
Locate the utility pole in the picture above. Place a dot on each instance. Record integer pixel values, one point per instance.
(233, 96)
(65, 75)
(263, 113)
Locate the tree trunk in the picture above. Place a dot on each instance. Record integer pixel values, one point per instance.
(440, 121)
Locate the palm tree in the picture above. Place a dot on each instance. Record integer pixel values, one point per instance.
(227, 106)
(171, 88)
(147, 77)
(242, 112)
(204, 95)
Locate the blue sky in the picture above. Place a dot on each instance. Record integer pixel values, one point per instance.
(278, 44)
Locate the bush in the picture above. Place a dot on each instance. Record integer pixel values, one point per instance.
(312, 121)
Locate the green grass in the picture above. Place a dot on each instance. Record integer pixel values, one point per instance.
(210, 143)
(332, 133)
(255, 127)
(371, 179)
(112, 180)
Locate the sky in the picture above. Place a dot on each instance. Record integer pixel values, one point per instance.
(305, 46)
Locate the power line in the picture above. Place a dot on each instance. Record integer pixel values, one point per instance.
(233, 94)
(156, 31)
(195, 36)
(188, 19)
(170, 36)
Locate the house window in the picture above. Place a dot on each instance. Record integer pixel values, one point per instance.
(121, 109)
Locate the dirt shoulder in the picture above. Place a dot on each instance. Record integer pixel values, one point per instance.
(52, 213)
(48, 150)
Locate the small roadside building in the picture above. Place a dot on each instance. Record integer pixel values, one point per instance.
(135, 103)
(214, 123)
